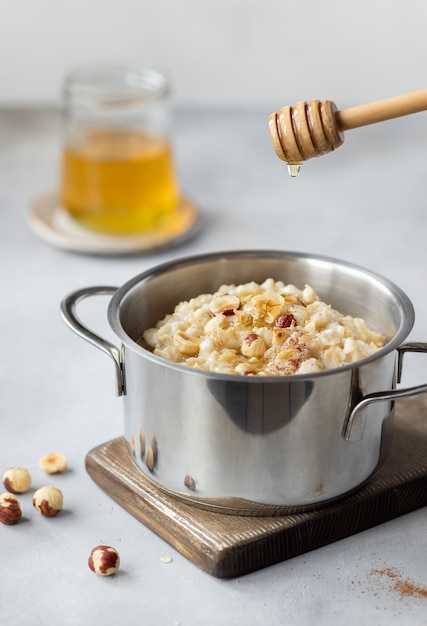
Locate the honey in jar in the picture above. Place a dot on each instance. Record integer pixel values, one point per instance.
(117, 174)
(119, 181)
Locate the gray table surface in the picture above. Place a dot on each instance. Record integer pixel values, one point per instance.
(365, 203)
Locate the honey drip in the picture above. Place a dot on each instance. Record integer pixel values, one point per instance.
(294, 169)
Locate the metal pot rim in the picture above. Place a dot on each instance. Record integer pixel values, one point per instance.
(405, 304)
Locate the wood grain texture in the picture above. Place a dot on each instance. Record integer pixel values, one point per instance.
(382, 110)
(232, 545)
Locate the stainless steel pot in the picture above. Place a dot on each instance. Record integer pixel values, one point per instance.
(252, 445)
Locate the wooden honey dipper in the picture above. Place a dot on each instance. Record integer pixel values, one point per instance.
(311, 129)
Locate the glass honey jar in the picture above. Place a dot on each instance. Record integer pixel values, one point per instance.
(118, 175)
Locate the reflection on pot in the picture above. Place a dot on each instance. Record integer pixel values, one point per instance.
(258, 408)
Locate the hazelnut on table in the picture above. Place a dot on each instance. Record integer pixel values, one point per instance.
(10, 509)
(48, 501)
(17, 480)
(53, 463)
(104, 560)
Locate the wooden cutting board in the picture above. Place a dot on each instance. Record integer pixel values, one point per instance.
(232, 545)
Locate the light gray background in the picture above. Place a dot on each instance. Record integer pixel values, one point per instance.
(364, 203)
(221, 52)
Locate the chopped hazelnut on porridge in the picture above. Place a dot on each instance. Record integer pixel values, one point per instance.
(267, 329)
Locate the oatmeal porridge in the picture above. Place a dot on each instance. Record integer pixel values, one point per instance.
(267, 329)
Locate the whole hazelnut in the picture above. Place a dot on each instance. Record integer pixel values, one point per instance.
(53, 463)
(17, 480)
(10, 509)
(104, 560)
(48, 500)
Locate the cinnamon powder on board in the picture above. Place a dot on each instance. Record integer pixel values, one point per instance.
(403, 587)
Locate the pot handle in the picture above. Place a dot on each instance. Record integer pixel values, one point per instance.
(70, 317)
(392, 394)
